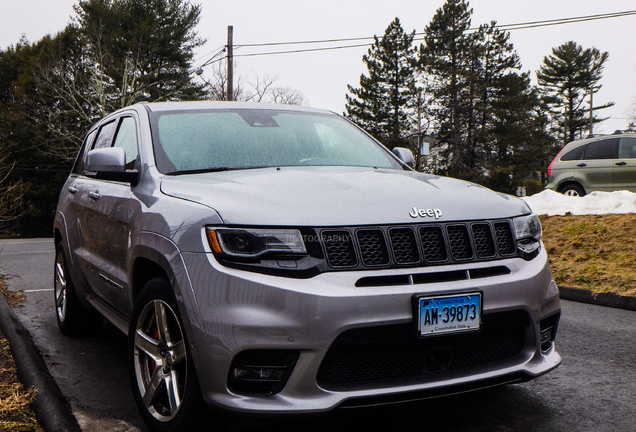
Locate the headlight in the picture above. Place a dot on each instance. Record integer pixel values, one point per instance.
(528, 227)
(253, 243)
(528, 235)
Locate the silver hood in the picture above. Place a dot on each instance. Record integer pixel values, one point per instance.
(339, 196)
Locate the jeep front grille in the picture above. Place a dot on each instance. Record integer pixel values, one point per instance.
(417, 245)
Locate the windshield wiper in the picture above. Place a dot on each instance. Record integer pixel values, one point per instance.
(201, 170)
(215, 169)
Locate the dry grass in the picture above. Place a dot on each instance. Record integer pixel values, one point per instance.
(593, 252)
(15, 413)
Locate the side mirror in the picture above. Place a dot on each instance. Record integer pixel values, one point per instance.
(109, 164)
(405, 156)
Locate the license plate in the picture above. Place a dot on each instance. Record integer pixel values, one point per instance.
(449, 314)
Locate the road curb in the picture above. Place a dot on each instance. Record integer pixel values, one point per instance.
(596, 298)
(52, 409)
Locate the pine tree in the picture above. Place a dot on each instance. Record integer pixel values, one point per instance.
(484, 109)
(566, 78)
(115, 53)
(512, 143)
(141, 49)
(382, 103)
(448, 62)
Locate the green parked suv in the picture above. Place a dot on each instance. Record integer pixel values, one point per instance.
(602, 163)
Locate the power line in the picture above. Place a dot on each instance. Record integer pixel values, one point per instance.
(32, 147)
(301, 50)
(548, 23)
(306, 42)
(420, 36)
(215, 52)
(16, 168)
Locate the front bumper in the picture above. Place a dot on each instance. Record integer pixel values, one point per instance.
(240, 311)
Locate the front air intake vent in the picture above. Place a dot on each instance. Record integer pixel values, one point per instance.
(373, 250)
(459, 242)
(484, 243)
(339, 248)
(505, 242)
(404, 245)
(433, 244)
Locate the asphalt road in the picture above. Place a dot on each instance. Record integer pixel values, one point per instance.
(593, 390)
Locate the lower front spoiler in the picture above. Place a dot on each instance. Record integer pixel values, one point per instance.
(412, 396)
(454, 389)
(286, 407)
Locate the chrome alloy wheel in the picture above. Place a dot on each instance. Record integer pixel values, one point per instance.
(571, 192)
(160, 360)
(60, 287)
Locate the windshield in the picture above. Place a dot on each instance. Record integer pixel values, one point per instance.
(217, 140)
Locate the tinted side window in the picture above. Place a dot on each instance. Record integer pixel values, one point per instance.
(575, 154)
(627, 148)
(105, 136)
(606, 149)
(126, 138)
(78, 168)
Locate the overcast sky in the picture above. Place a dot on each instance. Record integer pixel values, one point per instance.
(323, 76)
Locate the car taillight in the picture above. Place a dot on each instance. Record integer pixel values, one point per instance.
(554, 160)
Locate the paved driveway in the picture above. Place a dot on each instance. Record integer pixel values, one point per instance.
(593, 390)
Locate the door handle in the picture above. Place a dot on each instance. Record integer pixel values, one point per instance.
(621, 163)
(94, 195)
(72, 189)
(582, 165)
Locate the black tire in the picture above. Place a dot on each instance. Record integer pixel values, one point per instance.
(73, 319)
(159, 354)
(573, 190)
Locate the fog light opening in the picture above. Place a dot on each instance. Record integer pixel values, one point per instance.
(546, 339)
(256, 373)
(548, 331)
(261, 371)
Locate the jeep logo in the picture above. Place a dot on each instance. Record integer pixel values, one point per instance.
(436, 213)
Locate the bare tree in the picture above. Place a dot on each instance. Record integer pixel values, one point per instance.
(217, 84)
(263, 89)
(106, 60)
(287, 95)
(11, 194)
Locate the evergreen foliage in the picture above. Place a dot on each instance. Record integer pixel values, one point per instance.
(140, 49)
(489, 123)
(115, 53)
(566, 78)
(447, 62)
(485, 109)
(385, 98)
(510, 141)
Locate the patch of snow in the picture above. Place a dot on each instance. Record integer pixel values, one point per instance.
(552, 203)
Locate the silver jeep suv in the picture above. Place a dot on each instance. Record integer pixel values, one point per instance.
(278, 260)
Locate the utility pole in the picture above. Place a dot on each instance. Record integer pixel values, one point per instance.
(230, 63)
(591, 112)
(418, 165)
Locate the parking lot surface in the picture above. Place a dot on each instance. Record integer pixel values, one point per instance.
(592, 390)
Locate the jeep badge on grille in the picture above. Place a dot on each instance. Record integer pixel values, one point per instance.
(436, 213)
